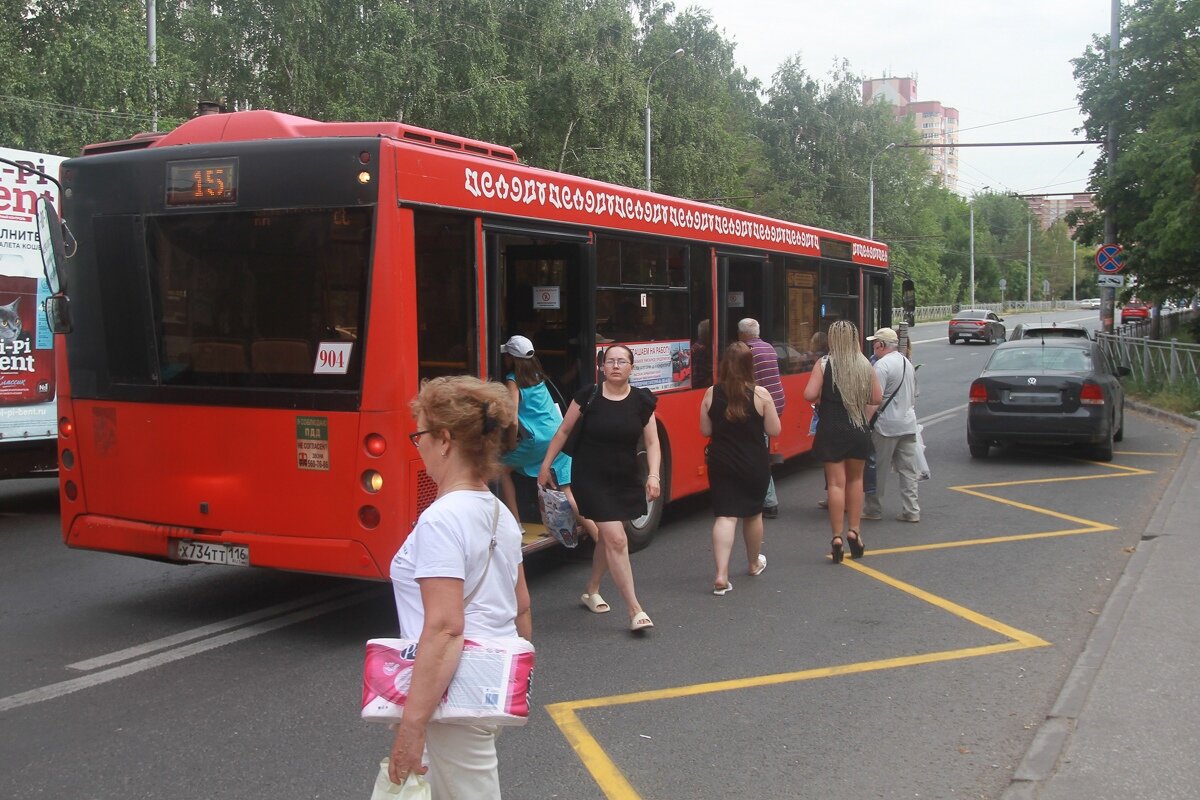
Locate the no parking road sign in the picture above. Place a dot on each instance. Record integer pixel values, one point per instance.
(1109, 258)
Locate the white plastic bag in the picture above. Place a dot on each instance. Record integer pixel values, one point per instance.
(920, 463)
(415, 787)
(558, 516)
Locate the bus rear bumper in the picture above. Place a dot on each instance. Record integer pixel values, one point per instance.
(343, 557)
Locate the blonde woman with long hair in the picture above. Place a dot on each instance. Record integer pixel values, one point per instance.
(845, 384)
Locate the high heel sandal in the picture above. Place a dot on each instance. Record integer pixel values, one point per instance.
(836, 549)
(854, 540)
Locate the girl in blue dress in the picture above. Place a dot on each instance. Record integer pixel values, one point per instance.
(538, 417)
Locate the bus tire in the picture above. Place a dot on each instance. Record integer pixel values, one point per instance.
(641, 531)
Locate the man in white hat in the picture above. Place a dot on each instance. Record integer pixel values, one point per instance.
(895, 431)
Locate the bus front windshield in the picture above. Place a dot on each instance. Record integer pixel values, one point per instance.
(271, 299)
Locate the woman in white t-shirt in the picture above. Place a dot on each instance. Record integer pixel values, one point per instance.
(449, 584)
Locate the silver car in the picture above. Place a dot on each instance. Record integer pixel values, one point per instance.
(977, 323)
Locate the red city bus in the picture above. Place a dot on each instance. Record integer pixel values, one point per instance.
(255, 297)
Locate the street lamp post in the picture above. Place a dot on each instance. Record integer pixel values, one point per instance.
(971, 206)
(650, 78)
(871, 191)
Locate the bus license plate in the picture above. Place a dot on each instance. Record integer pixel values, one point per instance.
(233, 555)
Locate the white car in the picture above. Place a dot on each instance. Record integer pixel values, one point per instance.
(1091, 302)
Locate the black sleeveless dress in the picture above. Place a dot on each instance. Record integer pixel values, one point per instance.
(605, 476)
(837, 439)
(739, 467)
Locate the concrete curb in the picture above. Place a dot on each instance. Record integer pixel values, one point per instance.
(1151, 411)
(1053, 735)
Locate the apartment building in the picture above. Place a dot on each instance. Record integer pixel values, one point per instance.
(1048, 209)
(936, 123)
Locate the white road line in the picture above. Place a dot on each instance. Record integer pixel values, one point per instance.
(205, 630)
(56, 690)
(941, 416)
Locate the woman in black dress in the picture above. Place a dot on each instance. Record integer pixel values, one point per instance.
(737, 414)
(846, 386)
(605, 476)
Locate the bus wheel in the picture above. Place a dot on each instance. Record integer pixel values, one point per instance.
(640, 531)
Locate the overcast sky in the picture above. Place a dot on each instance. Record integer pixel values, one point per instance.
(993, 60)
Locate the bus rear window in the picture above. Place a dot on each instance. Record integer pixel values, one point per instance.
(270, 299)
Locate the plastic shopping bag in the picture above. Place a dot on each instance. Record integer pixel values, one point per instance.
(490, 687)
(415, 787)
(558, 516)
(920, 463)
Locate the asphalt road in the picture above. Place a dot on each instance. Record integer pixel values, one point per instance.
(920, 671)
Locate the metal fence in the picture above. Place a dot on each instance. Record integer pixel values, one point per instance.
(934, 313)
(1155, 362)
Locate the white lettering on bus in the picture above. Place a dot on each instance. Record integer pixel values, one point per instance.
(531, 192)
(873, 252)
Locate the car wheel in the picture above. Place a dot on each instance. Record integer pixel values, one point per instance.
(1004, 336)
(1104, 450)
(1120, 434)
(978, 447)
(952, 340)
(989, 339)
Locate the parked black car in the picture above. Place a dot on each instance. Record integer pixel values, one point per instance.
(1047, 391)
(1048, 330)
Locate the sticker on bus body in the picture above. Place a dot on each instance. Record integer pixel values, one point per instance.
(312, 443)
(333, 358)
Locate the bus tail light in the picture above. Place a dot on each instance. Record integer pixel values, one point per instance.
(368, 517)
(68, 459)
(372, 481)
(375, 445)
(65, 427)
(978, 392)
(70, 490)
(1091, 394)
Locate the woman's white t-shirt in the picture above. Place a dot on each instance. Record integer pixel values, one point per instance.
(451, 540)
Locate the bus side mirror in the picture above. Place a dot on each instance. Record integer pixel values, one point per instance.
(58, 313)
(50, 242)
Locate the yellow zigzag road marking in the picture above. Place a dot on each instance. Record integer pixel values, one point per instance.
(616, 786)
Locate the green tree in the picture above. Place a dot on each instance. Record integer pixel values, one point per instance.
(1153, 105)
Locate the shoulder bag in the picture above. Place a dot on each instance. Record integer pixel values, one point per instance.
(878, 411)
(572, 444)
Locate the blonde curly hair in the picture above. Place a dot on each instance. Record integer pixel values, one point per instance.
(851, 371)
(475, 412)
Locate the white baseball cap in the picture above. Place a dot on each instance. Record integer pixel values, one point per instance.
(518, 347)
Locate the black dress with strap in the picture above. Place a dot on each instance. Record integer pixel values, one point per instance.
(837, 439)
(739, 466)
(605, 477)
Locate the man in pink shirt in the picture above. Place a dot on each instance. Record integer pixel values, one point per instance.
(766, 375)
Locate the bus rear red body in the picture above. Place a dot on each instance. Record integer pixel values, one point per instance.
(244, 407)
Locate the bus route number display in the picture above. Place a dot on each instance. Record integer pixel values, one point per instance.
(212, 182)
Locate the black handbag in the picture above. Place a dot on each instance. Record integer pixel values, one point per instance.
(572, 444)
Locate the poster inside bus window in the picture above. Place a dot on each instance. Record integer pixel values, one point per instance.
(659, 366)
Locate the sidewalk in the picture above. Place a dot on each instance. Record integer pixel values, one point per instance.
(1127, 722)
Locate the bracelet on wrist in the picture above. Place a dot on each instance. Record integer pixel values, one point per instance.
(652, 475)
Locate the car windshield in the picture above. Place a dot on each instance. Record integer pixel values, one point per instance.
(1036, 359)
(972, 315)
